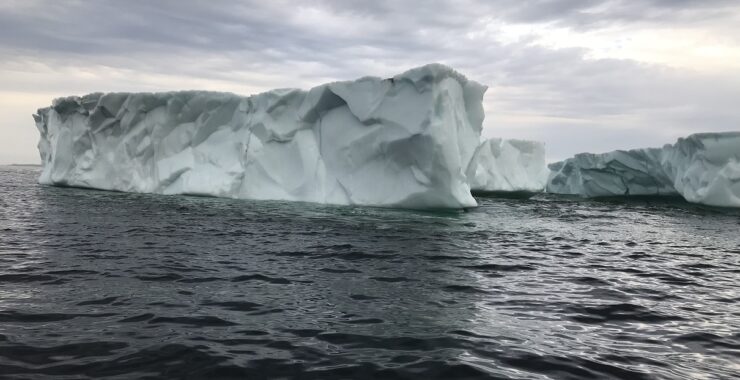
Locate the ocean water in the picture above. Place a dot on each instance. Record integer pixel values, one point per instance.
(113, 285)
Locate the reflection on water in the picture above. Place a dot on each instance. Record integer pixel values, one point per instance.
(110, 284)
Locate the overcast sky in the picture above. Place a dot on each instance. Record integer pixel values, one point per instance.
(579, 75)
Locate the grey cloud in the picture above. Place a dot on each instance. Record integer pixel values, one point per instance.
(223, 41)
(253, 27)
(567, 13)
(601, 13)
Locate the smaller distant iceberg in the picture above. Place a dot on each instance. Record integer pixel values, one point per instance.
(702, 168)
(503, 166)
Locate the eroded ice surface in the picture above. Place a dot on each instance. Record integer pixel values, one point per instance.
(703, 168)
(405, 141)
(501, 165)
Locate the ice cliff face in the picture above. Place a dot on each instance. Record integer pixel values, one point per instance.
(405, 141)
(500, 165)
(703, 168)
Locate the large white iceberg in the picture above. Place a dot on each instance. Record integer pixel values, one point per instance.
(508, 166)
(406, 141)
(703, 168)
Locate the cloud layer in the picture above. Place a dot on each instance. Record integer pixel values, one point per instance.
(580, 75)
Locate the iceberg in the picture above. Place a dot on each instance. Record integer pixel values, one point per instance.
(405, 141)
(508, 166)
(702, 168)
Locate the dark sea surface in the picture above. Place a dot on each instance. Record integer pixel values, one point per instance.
(112, 285)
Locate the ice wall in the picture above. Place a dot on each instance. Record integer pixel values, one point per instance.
(402, 142)
(703, 168)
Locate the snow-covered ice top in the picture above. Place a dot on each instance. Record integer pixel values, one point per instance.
(703, 168)
(405, 141)
(501, 165)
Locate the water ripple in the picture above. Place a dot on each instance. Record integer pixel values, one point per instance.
(112, 285)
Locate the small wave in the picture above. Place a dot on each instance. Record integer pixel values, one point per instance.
(621, 312)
